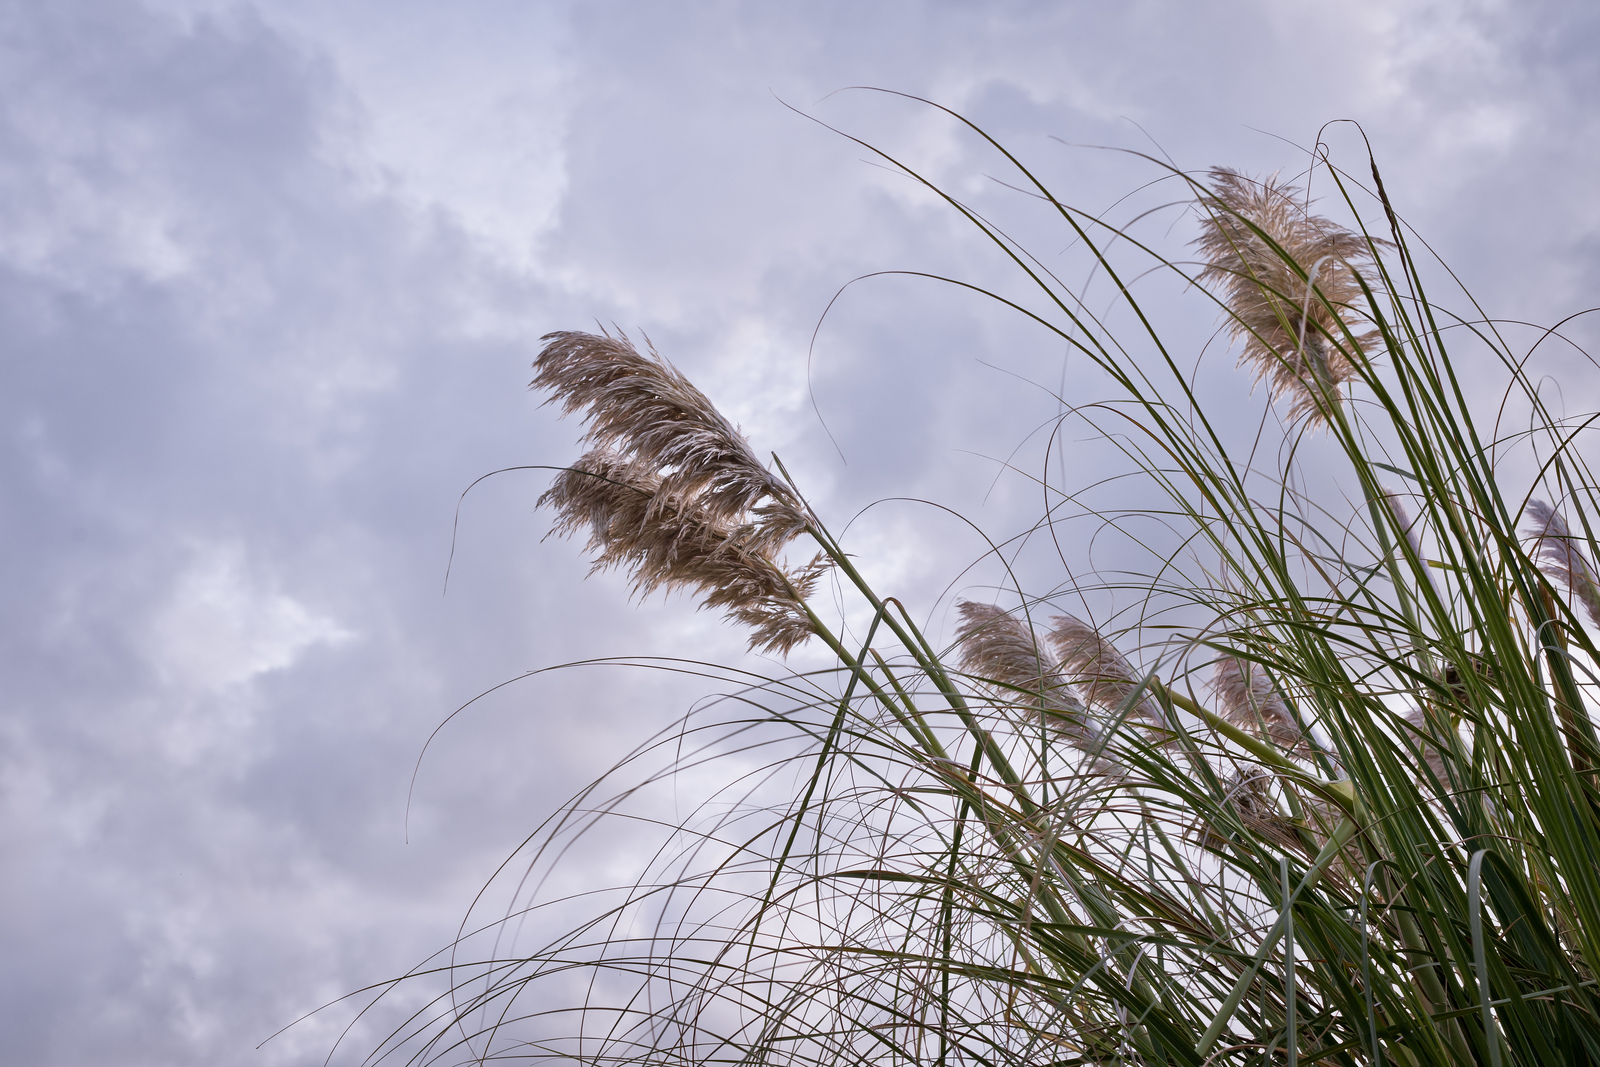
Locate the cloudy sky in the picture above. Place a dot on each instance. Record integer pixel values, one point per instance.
(271, 276)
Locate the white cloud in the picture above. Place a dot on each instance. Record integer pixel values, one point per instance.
(223, 625)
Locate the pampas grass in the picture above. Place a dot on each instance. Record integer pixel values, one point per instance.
(1561, 558)
(643, 409)
(1246, 697)
(1000, 650)
(1104, 676)
(1335, 802)
(1290, 279)
(672, 492)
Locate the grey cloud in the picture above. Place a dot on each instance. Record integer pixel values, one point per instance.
(234, 391)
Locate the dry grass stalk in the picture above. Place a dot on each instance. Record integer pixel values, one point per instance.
(1562, 558)
(672, 491)
(1290, 281)
(999, 648)
(1103, 677)
(1247, 699)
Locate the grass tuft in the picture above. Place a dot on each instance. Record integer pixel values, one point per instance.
(1334, 800)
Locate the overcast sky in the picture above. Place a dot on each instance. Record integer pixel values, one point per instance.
(271, 277)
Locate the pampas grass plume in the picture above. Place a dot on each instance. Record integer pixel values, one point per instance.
(1247, 699)
(1290, 283)
(672, 491)
(1101, 674)
(644, 409)
(1561, 559)
(998, 648)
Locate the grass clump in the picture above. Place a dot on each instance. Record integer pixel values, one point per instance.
(1343, 810)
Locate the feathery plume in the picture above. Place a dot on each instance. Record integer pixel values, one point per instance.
(1248, 700)
(1402, 518)
(1101, 674)
(1422, 725)
(642, 408)
(1250, 792)
(1563, 560)
(1290, 282)
(999, 648)
(668, 545)
(672, 490)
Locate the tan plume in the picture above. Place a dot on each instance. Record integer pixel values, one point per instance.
(1250, 794)
(1248, 699)
(668, 546)
(1290, 283)
(1423, 722)
(1560, 556)
(643, 409)
(1101, 674)
(999, 648)
(672, 490)
(1409, 526)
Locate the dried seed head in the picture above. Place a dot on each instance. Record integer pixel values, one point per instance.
(1250, 793)
(1102, 675)
(669, 546)
(1562, 558)
(640, 407)
(1410, 527)
(672, 491)
(1248, 700)
(998, 648)
(1422, 725)
(1290, 283)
